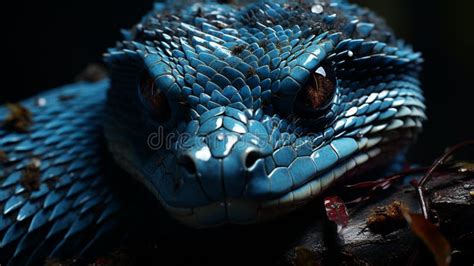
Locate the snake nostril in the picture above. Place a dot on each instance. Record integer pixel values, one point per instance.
(188, 164)
(252, 158)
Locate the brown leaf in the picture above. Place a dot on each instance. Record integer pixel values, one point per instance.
(31, 176)
(19, 118)
(336, 211)
(431, 236)
(386, 219)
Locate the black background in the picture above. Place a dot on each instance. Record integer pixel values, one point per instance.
(49, 42)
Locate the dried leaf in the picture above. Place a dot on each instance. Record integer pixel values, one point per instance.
(19, 118)
(387, 219)
(304, 257)
(31, 176)
(431, 236)
(336, 211)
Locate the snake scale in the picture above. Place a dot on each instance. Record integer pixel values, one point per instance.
(229, 113)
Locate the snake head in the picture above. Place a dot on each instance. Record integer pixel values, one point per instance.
(239, 114)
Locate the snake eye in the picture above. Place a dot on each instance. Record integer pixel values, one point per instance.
(153, 98)
(317, 94)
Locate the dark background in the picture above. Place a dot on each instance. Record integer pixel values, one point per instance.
(49, 42)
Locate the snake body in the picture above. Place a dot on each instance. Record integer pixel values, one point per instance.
(226, 113)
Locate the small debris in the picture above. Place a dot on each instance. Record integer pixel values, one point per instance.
(317, 9)
(31, 176)
(102, 262)
(471, 193)
(386, 219)
(19, 118)
(238, 49)
(220, 25)
(3, 157)
(336, 211)
(58, 262)
(116, 258)
(463, 167)
(263, 43)
(65, 98)
(93, 73)
(304, 257)
(51, 182)
(41, 102)
(252, 72)
(431, 236)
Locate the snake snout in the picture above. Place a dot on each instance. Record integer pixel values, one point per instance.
(222, 163)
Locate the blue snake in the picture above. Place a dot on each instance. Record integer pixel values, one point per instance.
(229, 113)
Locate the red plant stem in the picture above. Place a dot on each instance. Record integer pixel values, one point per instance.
(373, 184)
(421, 190)
(392, 178)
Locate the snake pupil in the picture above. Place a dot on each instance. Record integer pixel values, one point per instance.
(317, 94)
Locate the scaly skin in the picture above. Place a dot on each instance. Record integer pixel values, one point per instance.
(220, 86)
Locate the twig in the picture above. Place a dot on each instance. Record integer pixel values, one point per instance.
(382, 183)
(421, 189)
